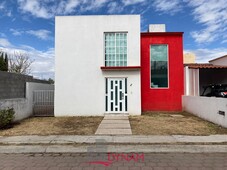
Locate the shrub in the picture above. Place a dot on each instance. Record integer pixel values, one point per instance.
(6, 117)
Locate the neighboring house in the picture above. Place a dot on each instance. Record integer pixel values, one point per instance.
(189, 58)
(199, 75)
(222, 61)
(196, 77)
(98, 69)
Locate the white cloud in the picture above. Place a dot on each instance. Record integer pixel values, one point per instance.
(203, 36)
(166, 6)
(71, 5)
(2, 5)
(4, 9)
(48, 9)
(224, 41)
(203, 55)
(98, 3)
(16, 32)
(36, 8)
(114, 7)
(212, 14)
(2, 34)
(43, 65)
(132, 2)
(89, 5)
(9, 13)
(65, 7)
(5, 43)
(41, 34)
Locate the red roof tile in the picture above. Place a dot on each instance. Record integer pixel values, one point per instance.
(204, 66)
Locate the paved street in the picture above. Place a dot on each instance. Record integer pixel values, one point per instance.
(114, 161)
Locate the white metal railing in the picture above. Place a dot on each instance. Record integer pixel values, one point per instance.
(43, 102)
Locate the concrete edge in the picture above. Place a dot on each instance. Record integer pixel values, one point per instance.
(115, 149)
(114, 139)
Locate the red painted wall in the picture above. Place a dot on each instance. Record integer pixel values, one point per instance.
(163, 99)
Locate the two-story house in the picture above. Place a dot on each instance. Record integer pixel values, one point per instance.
(97, 65)
(100, 61)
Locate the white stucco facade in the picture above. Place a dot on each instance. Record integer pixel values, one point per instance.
(80, 83)
(191, 82)
(207, 108)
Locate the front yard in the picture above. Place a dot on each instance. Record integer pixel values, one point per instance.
(182, 123)
(150, 123)
(55, 126)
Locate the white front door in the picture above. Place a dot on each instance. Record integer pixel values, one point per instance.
(116, 95)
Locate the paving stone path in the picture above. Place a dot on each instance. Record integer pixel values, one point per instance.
(114, 125)
(95, 161)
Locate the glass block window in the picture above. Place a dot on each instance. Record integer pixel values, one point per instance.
(159, 66)
(115, 49)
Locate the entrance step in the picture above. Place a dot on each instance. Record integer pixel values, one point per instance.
(115, 118)
(116, 114)
(114, 125)
(113, 132)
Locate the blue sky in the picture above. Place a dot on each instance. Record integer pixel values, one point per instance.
(28, 25)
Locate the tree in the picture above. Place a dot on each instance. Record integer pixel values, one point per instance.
(6, 62)
(3, 61)
(20, 63)
(51, 81)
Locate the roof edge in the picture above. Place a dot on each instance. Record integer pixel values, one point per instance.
(204, 66)
(218, 58)
(161, 33)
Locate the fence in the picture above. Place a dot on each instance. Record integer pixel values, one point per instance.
(209, 108)
(43, 102)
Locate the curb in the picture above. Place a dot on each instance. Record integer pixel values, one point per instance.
(114, 149)
(129, 139)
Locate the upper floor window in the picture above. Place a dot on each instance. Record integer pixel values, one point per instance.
(159, 66)
(116, 49)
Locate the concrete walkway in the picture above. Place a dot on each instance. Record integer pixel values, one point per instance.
(114, 125)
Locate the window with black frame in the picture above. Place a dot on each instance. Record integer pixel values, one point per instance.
(159, 66)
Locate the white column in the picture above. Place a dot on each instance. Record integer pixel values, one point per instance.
(187, 81)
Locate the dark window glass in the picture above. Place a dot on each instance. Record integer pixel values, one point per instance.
(120, 106)
(106, 103)
(159, 66)
(126, 103)
(111, 105)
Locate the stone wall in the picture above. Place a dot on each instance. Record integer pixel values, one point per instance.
(13, 85)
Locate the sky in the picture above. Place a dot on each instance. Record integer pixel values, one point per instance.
(28, 26)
